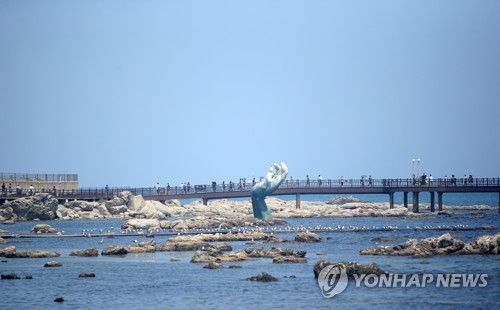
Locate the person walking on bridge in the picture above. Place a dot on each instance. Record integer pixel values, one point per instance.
(157, 188)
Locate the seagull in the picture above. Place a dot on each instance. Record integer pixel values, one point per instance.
(102, 240)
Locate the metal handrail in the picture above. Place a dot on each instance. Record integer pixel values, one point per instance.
(37, 177)
(108, 193)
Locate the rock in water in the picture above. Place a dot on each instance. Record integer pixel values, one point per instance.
(85, 253)
(10, 276)
(351, 268)
(442, 245)
(53, 264)
(43, 229)
(142, 247)
(115, 250)
(307, 237)
(7, 250)
(263, 277)
(213, 265)
(31, 254)
(484, 245)
(87, 275)
(39, 206)
(59, 299)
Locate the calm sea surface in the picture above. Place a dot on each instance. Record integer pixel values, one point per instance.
(152, 281)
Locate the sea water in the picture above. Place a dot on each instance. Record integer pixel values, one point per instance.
(152, 281)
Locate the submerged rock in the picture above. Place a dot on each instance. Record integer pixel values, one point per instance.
(87, 275)
(289, 259)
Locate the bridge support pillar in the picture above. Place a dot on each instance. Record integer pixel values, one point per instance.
(391, 200)
(415, 202)
(440, 201)
(205, 201)
(433, 209)
(297, 201)
(405, 199)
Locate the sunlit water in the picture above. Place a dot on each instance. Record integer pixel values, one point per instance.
(152, 281)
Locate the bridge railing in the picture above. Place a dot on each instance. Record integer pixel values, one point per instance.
(109, 193)
(37, 177)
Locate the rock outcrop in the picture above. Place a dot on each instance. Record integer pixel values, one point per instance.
(279, 255)
(217, 257)
(351, 268)
(115, 250)
(52, 264)
(176, 244)
(36, 207)
(262, 277)
(7, 250)
(142, 247)
(31, 254)
(92, 252)
(484, 245)
(10, 276)
(307, 237)
(442, 245)
(43, 229)
(141, 224)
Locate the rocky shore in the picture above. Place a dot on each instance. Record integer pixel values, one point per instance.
(234, 213)
(442, 245)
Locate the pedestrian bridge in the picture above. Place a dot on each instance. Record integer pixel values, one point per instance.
(296, 187)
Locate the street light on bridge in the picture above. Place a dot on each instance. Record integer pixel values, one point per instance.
(418, 168)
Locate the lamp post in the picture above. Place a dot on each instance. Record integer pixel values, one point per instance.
(413, 168)
(418, 168)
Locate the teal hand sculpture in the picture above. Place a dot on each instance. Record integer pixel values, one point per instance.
(277, 174)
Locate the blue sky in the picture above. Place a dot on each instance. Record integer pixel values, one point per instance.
(128, 93)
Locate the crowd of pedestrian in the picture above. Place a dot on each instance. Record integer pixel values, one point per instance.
(19, 191)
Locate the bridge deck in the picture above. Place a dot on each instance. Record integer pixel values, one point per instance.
(297, 187)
